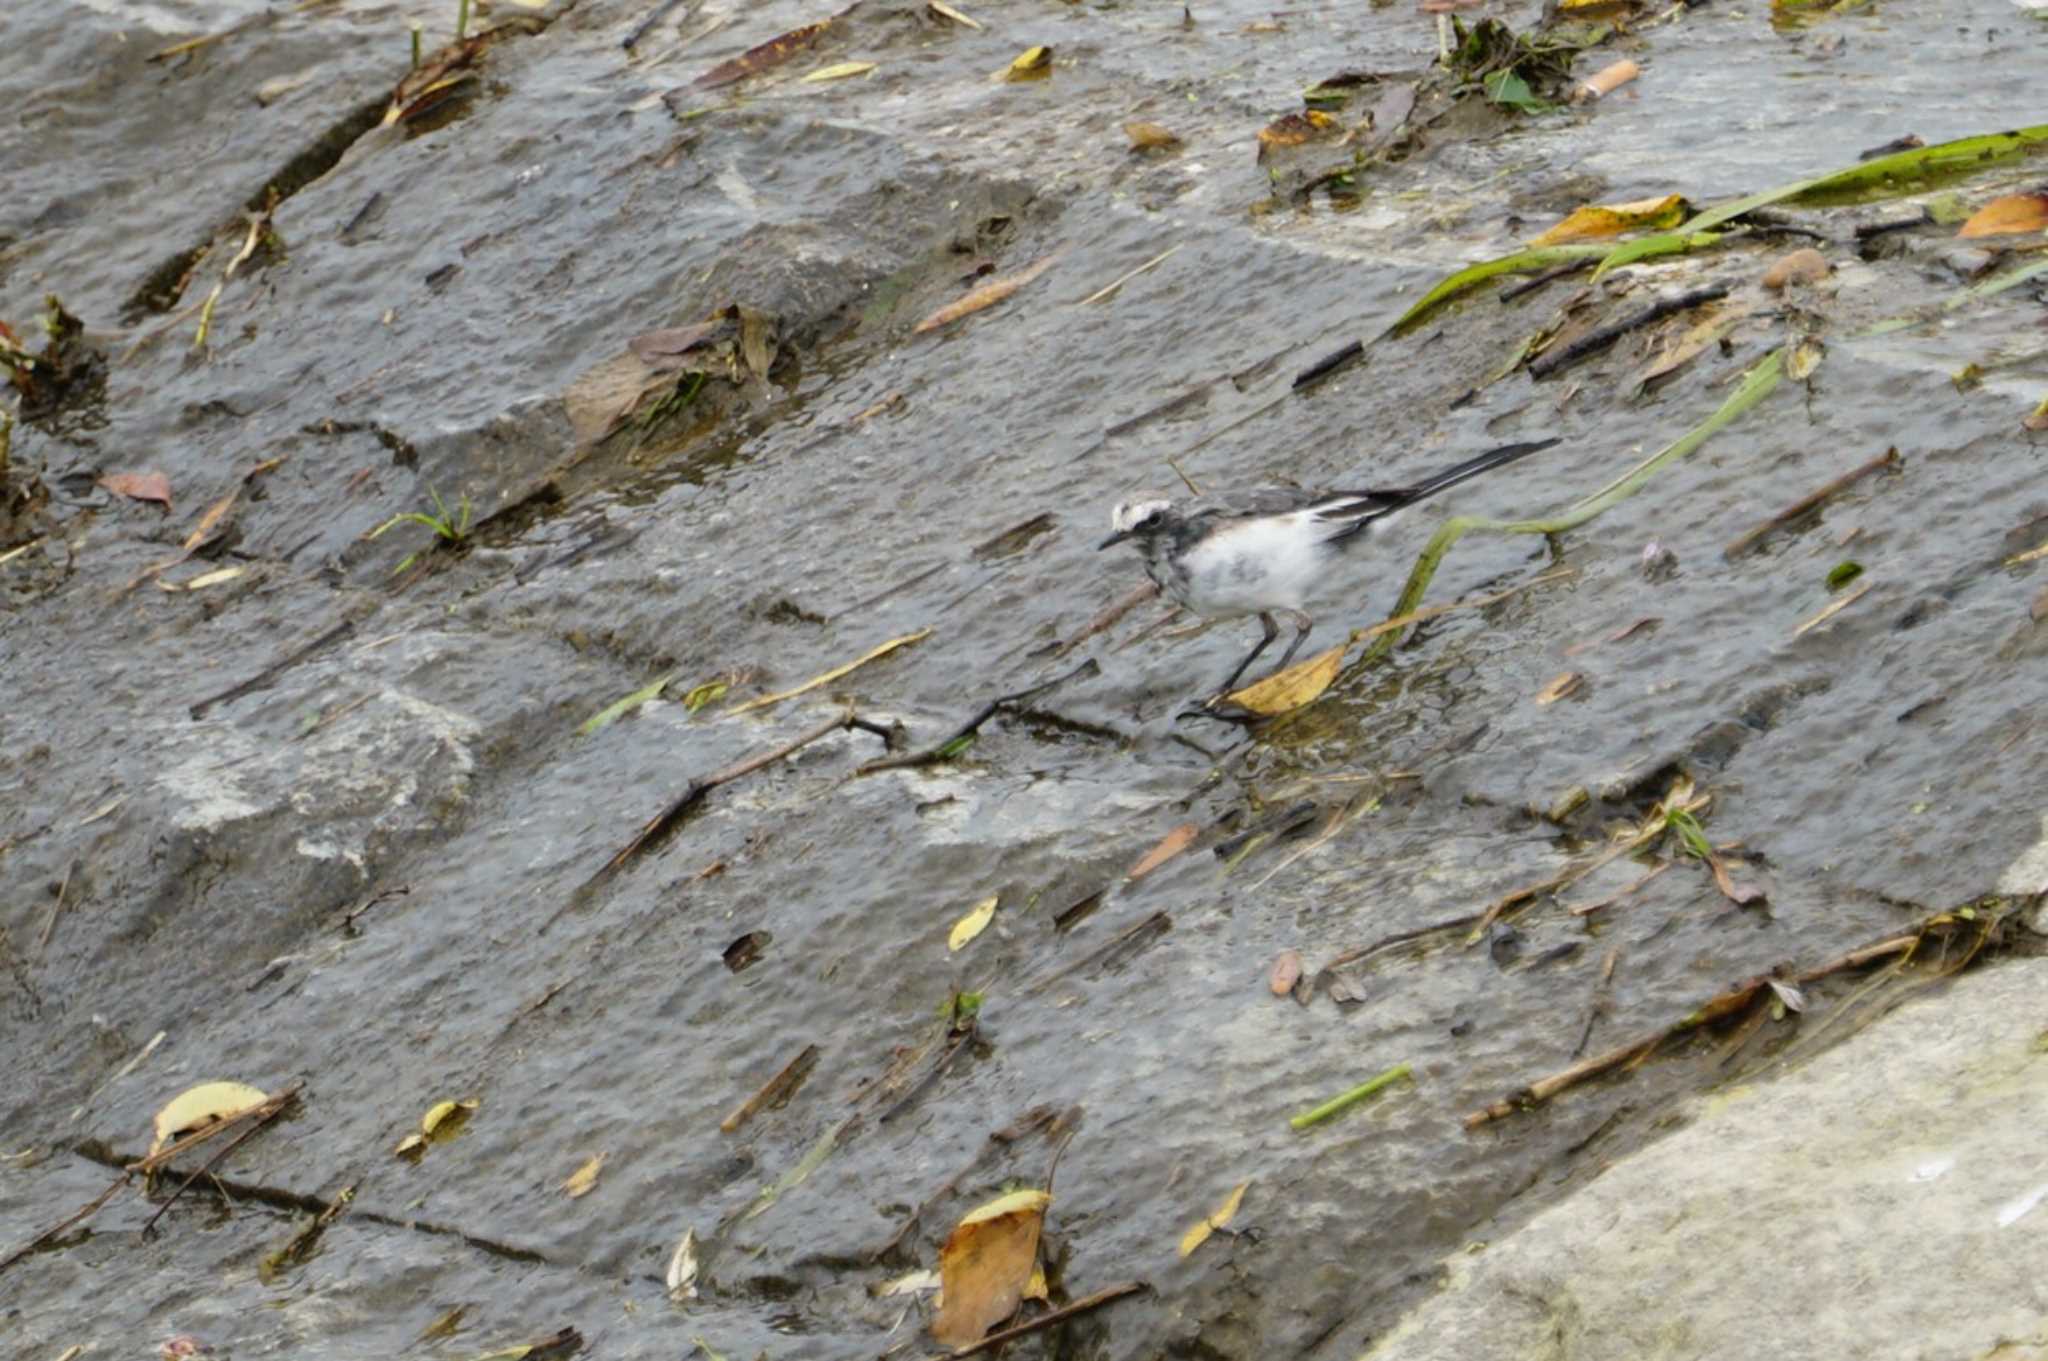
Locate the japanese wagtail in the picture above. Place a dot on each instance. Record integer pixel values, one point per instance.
(1263, 552)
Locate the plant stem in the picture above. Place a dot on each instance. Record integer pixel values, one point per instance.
(1352, 1097)
(1757, 384)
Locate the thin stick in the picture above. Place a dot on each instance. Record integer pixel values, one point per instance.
(1082, 1305)
(277, 668)
(1593, 341)
(1743, 542)
(640, 29)
(1830, 610)
(257, 222)
(1186, 481)
(1402, 621)
(958, 741)
(277, 1108)
(56, 909)
(1123, 279)
(783, 1082)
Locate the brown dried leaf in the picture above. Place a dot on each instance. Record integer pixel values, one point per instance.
(2007, 215)
(139, 486)
(1150, 136)
(1735, 893)
(1296, 128)
(429, 83)
(755, 60)
(1285, 973)
(1696, 340)
(1803, 266)
(1172, 844)
(2037, 419)
(988, 295)
(1290, 689)
(211, 521)
(2039, 610)
(1563, 687)
(985, 1266)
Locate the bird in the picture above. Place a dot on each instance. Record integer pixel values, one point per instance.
(1263, 551)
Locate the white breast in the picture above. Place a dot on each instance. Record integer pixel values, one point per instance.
(1247, 566)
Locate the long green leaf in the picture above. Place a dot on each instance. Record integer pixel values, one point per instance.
(1521, 262)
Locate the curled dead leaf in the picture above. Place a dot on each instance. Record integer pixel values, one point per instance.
(1285, 973)
(1562, 687)
(200, 1106)
(986, 1266)
(1290, 689)
(2008, 215)
(139, 487)
(762, 57)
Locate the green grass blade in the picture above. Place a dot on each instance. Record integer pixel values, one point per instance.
(1521, 262)
(618, 709)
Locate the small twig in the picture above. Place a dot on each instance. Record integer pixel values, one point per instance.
(964, 735)
(1123, 279)
(660, 824)
(1327, 365)
(277, 1105)
(640, 29)
(56, 908)
(931, 1075)
(1082, 1305)
(277, 668)
(784, 1082)
(1812, 501)
(1599, 339)
(1186, 481)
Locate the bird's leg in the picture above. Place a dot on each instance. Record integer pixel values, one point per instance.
(1302, 624)
(1272, 631)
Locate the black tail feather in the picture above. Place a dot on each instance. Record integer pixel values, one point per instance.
(1391, 500)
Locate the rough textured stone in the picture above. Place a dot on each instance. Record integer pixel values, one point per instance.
(1887, 1199)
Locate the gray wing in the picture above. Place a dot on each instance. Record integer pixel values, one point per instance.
(1340, 508)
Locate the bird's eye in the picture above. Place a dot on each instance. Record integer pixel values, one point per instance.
(1150, 521)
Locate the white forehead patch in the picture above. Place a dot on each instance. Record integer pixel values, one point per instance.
(1128, 515)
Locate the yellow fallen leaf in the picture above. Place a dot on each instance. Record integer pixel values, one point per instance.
(835, 673)
(1031, 59)
(1170, 845)
(988, 295)
(841, 71)
(1292, 688)
(584, 1179)
(1596, 220)
(973, 924)
(986, 1266)
(1224, 1213)
(197, 1107)
(2007, 215)
(442, 1121)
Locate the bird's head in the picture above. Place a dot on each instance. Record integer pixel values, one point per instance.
(1136, 518)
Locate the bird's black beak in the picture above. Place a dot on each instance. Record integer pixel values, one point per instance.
(1113, 540)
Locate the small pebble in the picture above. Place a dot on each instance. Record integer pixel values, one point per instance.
(1803, 266)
